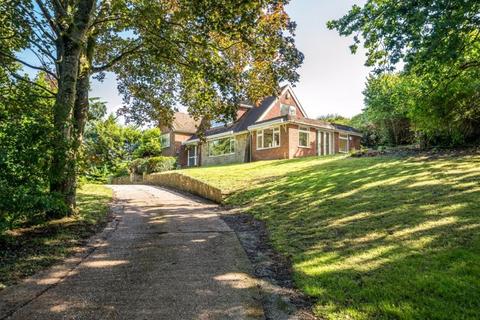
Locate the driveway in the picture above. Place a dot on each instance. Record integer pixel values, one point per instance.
(165, 256)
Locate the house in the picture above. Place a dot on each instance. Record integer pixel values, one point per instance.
(183, 127)
(278, 128)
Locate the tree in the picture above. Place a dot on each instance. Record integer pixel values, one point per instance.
(438, 44)
(25, 130)
(335, 118)
(388, 99)
(419, 33)
(208, 55)
(150, 144)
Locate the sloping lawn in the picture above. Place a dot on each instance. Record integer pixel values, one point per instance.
(28, 250)
(370, 238)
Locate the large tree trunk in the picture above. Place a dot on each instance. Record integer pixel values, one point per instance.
(62, 171)
(70, 46)
(80, 115)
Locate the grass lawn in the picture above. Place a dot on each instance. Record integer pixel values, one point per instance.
(28, 250)
(370, 238)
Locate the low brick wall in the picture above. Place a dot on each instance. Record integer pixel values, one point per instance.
(176, 181)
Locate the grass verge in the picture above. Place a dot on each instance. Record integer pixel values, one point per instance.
(370, 238)
(27, 250)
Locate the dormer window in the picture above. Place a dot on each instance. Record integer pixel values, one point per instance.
(285, 109)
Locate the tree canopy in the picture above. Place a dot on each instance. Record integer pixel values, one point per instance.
(415, 32)
(208, 55)
(426, 60)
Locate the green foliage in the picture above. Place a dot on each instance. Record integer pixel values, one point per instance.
(435, 97)
(207, 55)
(152, 164)
(335, 118)
(388, 99)
(106, 147)
(111, 149)
(150, 143)
(25, 130)
(419, 33)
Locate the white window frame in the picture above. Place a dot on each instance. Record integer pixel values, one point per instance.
(302, 129)
(344, 137)
(275, 130)
(195, 157)
(167, 137)
(292, 110)
(232, 147)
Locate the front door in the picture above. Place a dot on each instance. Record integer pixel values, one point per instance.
(192, 156)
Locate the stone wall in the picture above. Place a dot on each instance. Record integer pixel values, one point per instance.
(176, 181)
(237, 157)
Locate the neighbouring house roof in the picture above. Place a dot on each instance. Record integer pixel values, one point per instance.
(346, 128)
(183, 122)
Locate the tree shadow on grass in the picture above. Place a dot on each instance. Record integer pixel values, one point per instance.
(25, 251)
(382, 237)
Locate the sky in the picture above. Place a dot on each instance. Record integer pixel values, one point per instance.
(331, 78)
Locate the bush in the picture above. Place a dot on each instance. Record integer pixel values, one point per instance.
(160, 164)
(121, 170)
(152, 164)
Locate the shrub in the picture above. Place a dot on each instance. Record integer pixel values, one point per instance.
(121, 170)
(152, 164)
(160, 164)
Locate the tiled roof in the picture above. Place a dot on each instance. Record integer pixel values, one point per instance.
(183, 122)
(249, 118)
(346, 128)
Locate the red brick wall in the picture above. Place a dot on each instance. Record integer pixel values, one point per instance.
(241, 111)
(275, 110)
(288, 145)
(294, 150)
(176, 148)
(281, 152)
(354, 143)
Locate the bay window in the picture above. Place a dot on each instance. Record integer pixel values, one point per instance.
(221, 147)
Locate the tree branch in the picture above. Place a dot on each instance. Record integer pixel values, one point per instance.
(28, 64)
(38, 24)
(19, 77)
(115, 60)
(48, 17)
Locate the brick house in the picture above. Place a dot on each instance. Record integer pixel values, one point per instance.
(183, 128)
(278, 128)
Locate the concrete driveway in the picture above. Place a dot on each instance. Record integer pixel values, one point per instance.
(165, 256)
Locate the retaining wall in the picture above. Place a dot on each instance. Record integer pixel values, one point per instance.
(176, 181)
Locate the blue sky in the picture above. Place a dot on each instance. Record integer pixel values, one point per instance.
(332, 79)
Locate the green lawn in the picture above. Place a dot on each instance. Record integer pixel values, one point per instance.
(370, 238)
(28, 250)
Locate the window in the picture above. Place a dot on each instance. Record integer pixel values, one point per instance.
(268, 138)
(221, 147)
(165, 140)
(192, 156)
(304, 137)
(343, 143)
(286, 109)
